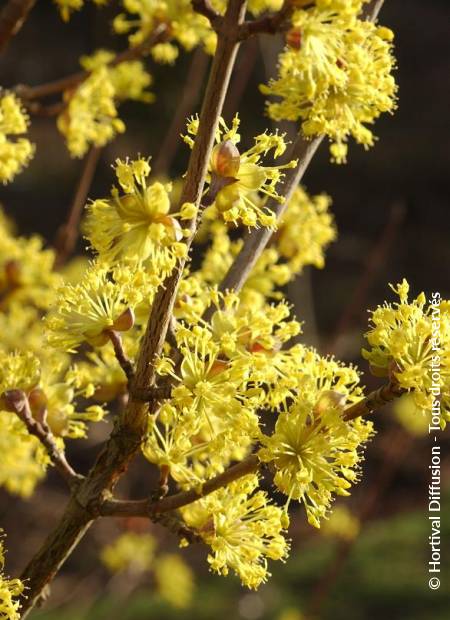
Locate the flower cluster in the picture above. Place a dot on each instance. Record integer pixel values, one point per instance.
(242, 528)
(239, 183)
(135, 223)
(15, 153)
(411, 340)
(335, 75)
(10, 590)
(90, 116)
(314, 451)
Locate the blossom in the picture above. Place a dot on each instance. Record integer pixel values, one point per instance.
(411, 340)
(85, 312)
(10, 589)
(315, 453)
(242, 528)
(15, 153)
(341, 524)
(238, 180)
(130, 552)
(136, 224)
(174, 579)
(337, 75)
(67, 7)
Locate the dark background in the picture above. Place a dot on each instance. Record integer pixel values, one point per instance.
(392, 213)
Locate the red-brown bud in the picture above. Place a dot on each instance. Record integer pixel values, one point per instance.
(226, 159)
(125, 321)
(294, 38)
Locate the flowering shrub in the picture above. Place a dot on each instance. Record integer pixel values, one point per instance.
(216, 388)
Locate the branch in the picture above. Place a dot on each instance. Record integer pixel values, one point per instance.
(149, 508)
(67, 235)
(12, 16)
(270, 24)
(17, 402)
(376, 399)
(204, 7)
(29, 93)
(131, 425)
(255, 242)
(121, 356)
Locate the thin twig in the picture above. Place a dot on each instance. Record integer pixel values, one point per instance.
(270, 24)
(205, 8)
(373, 401)
(29, 93)
(67, 235)
(121, 356)
(17, 402)
(303, 151)
(12, 17)
(171, 142)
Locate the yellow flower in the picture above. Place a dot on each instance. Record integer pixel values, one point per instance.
(337, 75)
(102, 301)
(174, 580)
(411, 339)
(10, 589)
(341, 524)
(238, 181)
(67, 7)
(14, 153)
(136, 224)
(130, 552)
(313, 450)
(242, 529)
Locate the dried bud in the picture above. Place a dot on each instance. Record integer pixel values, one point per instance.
(294, 38)
(38, 403)
(12, 273)
(13, 400)
(329, 399)
(125, 321)
(173, 226)
(226, 159)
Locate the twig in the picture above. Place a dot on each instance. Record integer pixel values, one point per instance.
(29, 93)
(120, 354)
(148, 507)
(204, 7)
(67, 235)
(16, 401)
(170, 144)
(12, 16)
(376, 399)
(303, 150)
(270, 24)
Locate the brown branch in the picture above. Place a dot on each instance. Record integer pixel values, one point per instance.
(376, 399)
(171, 142)
(271, 24)
(303, 150)
(205, 8)
(29, 93)
(12, 17)
(17, 402)
(121, 356)
(67, 235)
(150, 508)
(131, 426)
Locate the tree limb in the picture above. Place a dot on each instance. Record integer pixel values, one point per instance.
(12, 16)
(17, 402)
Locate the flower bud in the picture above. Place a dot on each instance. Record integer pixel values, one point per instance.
(125, 321)
(329, 399)
(294, 38)
(12, 273)
(226, 159)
